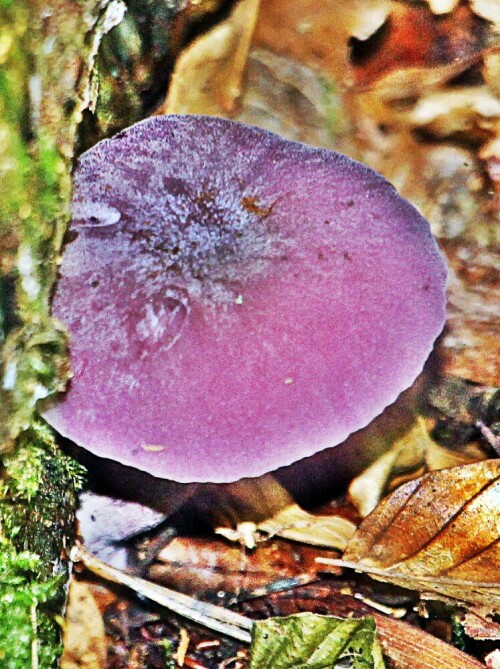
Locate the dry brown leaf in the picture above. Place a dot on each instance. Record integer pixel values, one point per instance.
(469, 348)
(84, 637)
(205, 567)
(479, 624)
(244, 510)
(295, 524)
(208, 76)
(405, 84)
(411, 455)
(402, 65)
(473, 111)
(410, 648)
(316, 32)
(439, 534)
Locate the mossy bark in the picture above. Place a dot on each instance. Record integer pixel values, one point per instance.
(47, 67)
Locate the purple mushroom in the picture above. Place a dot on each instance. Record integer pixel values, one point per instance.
(236, 301)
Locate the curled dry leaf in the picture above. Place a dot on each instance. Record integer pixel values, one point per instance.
(245, 510)
(401, 64)
(438, 534)
(317, 32)
(471, 111)
(294, 523)
(411, 455)
(208, 76)
(403, 85)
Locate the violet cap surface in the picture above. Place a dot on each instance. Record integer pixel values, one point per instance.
(236, 301)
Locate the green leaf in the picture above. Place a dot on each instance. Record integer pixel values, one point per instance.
(311, 641)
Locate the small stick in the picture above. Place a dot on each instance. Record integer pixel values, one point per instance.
(214, 617)
(489, 435)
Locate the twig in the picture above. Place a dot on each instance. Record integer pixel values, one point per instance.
(214, 617)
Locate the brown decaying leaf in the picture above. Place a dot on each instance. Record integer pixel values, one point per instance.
(473, 111)
(412, 455)
(479, 624)
(84, 636)
(469, 348)
(439, 534)
(409, 648)
(246, 510)
(405, 85)
(403, 65)
(207, 566)
(208, 76)
(316, 32)
(295, 524)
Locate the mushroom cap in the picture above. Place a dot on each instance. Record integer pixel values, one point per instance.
(236, 301)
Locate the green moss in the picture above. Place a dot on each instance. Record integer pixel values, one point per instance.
(169, 654)
(39, 489)
(459, 638)
(26, 631)
(38, 495)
